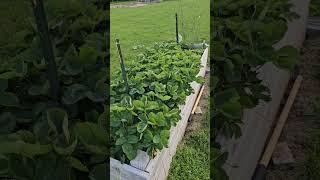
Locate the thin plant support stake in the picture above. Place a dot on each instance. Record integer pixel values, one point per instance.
(123, 69)
(45, 42)
(177, 29)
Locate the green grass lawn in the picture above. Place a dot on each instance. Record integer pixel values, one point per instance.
(191, 161)
(156, 22)
(314, 8)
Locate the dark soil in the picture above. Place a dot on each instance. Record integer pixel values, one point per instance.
(298, 126)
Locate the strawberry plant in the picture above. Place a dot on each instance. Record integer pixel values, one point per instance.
(57, 130)
(314, 8)
(243, 38)
(159, 81)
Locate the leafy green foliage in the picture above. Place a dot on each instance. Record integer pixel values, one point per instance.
(244, 34)
(40, 135)
(158, 83)
(314, 8)
(217, 161)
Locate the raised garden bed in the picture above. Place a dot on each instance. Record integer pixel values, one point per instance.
(244, 152)
(144, 168)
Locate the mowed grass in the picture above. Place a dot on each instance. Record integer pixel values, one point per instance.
(191, 161)
(156, 23)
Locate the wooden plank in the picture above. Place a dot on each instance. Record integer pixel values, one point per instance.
(281, 122)
(198, 99)
(155, 164)
(125, 172)
(261, 168)
(141, 160)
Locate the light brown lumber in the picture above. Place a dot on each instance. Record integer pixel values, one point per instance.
(282, 120)
(198, 99)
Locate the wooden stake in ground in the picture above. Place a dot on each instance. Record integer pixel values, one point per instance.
(262, 166)
(123, 69)
(196, 103)
(198, 99)
(177, 29)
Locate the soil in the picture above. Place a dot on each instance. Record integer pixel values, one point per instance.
(298, 126)
(129, 4)
(196, 120)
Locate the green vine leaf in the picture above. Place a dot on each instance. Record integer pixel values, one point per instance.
(142, 126)
(129, 151)
(92, 136)
(77, 164)
(67, 150)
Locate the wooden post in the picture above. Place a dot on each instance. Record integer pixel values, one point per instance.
(45, 42)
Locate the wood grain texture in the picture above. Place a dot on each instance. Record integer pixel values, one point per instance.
(281, 122)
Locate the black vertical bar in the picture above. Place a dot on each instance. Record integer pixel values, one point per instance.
(212, 125)
(123, 69)
(177, 30)
(106, 6)
(46, 45)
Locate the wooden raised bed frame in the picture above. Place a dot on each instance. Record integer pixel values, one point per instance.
(142, 168)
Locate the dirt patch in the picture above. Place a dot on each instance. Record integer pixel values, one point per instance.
(133, 4)
(298, 127)
(196, 120)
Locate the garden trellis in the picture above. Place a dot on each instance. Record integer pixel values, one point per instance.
(189, 23)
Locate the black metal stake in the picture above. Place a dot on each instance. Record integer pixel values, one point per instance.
(45, 42)
(177, 29)
(123, 69)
